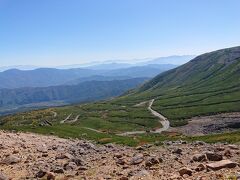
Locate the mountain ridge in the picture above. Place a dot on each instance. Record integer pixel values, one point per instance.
(198, 59)
(66, 94)
(206, 85)
(44, 77)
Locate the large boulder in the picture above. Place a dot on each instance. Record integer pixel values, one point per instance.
(184, 171)
(233, 147)
(212, 156)
(221, 164)
(199, 157)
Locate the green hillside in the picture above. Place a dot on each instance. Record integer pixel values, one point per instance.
(208, 84)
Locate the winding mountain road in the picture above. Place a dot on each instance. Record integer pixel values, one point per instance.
(54, 114)
(63, 121)
(72, 121)
(163, 120)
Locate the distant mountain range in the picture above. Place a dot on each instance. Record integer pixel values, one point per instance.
(44, 77)
(177, 60)
(82, 92)
(43, 87)
(46, 87)
(111, 64)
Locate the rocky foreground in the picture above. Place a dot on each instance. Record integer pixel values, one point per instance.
(31, 156)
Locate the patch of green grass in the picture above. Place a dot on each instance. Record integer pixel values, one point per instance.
(109, 116)
(69, 131)
(231, 137)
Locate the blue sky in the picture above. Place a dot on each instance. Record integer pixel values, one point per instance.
(57, 32)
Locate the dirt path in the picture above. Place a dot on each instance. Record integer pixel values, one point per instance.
(95, 130)
(74, 120)
(163, 120)
(141, 104)
(67, 119)
(54, 114)
(63, 121)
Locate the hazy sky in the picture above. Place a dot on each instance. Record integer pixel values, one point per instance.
(56, 32)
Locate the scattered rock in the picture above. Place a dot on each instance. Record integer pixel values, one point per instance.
(220, 148)
(118, 155)
(70, 166)
(77, 159)
(227, 153)
(11, 159)
(233, 147)
(82, 168)
(15, 151)
(140, 148)
(168, 143)
(45, 155)
(150, 161)
(177, 151)
(41, 174)
(50, 176)
(200, 167)
(199, 157)
(200, 143)
(142, 175)
(42, 148)
(212, 156)
(64, 156)
(109, 145)
(137, 159)
(184, 171)
(221, 164)
(160, 160)
(3, 176)
(59, 170)
(120, 161)
(124, 178)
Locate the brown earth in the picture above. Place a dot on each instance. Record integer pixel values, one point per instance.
(32, 156)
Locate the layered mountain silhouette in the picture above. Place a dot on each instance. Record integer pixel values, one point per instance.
(44, 77)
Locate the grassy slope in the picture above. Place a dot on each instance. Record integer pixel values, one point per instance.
(104, 116)
(207, 85)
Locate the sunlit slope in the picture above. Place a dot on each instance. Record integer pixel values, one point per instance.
(208, 84)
